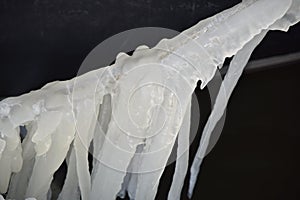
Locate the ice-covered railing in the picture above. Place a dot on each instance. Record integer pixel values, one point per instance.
(65, 120)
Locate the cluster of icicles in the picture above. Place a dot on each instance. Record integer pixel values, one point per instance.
(66, 120)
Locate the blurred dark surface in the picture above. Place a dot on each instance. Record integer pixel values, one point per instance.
(257, 156)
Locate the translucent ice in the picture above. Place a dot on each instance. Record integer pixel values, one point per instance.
(129, 115)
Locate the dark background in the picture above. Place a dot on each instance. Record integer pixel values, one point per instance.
(257, 156)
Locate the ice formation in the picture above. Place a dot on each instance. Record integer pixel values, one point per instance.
(152, 88)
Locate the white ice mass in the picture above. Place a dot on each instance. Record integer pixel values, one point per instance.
(129, 114)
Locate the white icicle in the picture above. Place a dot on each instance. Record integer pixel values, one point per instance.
(129, 184)
(45, 165)
(101, 129)
(70, 189)
(158, 148)
(235, 70)
(19, 181)
(85, 119)
(86, 113)
(113, 164)
(236, 67)
(182, 161)
(11, 159)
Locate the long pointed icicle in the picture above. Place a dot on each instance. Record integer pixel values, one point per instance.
(290, 18)
(235, 70)
(70, 189)
(182, 161)
(100, 130)
(130, 180)
(108, 179)
(45, 165)
(19, 181)
(11, 158)
(86, 120)
(86, 114)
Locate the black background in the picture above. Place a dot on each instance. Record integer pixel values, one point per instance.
(257, 156)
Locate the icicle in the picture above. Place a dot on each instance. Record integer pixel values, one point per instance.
(45, 165)
(159, 147)
(11, 159)
(85, 120)
(101, 129)
(108, 178)
(129, 184)
(236, 67)
(182, 157)
(234, 72)
(19, 181)
(86, 112)
(70, 189)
